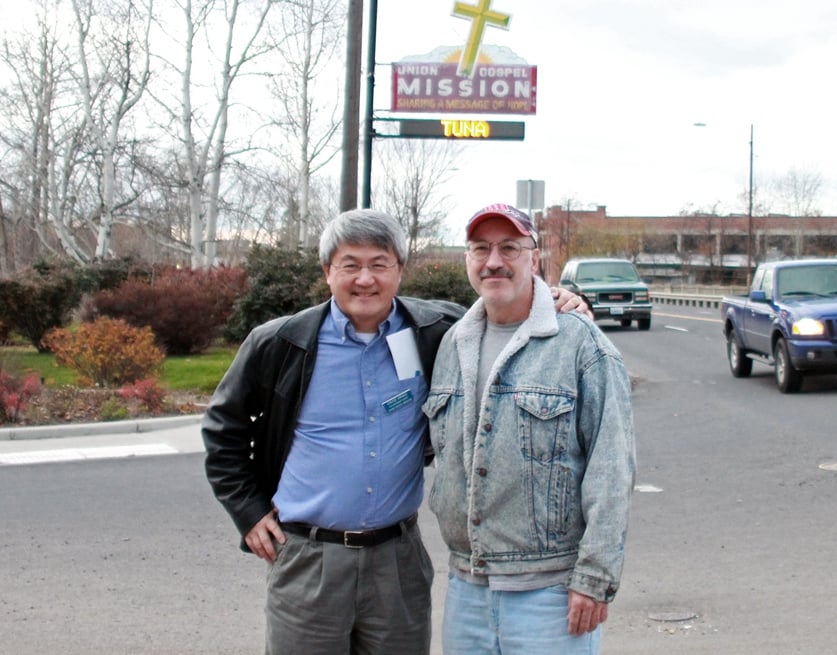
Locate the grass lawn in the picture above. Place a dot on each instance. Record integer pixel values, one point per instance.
(201, 372)
(184, 373)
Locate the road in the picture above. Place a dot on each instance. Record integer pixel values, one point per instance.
(736, 525)
(732, 532)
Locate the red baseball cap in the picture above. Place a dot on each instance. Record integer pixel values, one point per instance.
(520, 220)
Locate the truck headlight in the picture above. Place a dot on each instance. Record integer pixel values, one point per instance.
(808, 327)
(642, 296)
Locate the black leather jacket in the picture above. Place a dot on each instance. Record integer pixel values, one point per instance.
(249, 424)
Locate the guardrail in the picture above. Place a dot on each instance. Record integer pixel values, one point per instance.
(690, 300)
(694, 296)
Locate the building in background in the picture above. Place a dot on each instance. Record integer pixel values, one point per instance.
(697, 249)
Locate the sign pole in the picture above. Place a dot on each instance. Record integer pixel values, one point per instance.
(368, 127)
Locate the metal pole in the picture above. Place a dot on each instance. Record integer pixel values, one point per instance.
(750, 216)
(351, 108)
(368, 129)
(529, 193)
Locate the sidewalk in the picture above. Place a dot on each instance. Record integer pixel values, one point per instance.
(76, 441)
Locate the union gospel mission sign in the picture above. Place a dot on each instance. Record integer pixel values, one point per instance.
(475, 79)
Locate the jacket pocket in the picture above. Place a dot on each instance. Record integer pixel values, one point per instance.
(545, 422)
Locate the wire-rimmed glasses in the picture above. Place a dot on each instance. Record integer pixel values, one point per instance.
(509, 249)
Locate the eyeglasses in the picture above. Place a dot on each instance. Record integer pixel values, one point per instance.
(353, 269)
(509, 250)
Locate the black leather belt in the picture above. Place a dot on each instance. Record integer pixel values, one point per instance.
(350, 538)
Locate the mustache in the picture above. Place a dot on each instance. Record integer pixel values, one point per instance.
(504, 272)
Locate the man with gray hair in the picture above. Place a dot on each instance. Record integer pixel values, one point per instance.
(316, 443)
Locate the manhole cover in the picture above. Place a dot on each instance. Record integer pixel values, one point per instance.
(672, 617)
(829, 466)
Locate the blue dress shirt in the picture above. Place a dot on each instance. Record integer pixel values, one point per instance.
(357, 458)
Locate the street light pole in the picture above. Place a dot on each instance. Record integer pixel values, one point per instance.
(749, 209)
(750, 216)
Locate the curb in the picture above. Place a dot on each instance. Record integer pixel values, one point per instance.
(90, 429)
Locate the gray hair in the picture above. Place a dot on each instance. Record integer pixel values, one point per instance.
(364, 227)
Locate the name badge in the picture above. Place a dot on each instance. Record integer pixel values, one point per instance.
(398, 401)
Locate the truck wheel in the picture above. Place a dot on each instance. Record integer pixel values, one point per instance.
(788, 379)
(643, 323)
(739, 364)
(625, 322)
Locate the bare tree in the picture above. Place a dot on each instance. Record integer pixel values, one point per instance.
(79, 156)
(114, 62)
(798, 192)
(412, 173)
(44, 142)
(6, 246)
(205, 137)
(306, 37)
(256, 201)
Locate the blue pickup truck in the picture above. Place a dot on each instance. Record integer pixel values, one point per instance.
(788, 321)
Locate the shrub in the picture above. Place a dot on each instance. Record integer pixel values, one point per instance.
(107, 352)
(35, 302)
(439, 281)
(110, 273)
(280, 282)
(15, 394)
(186, 309)
(113, 409)
(147, 393)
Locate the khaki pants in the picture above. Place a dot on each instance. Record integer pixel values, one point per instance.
(326, 599)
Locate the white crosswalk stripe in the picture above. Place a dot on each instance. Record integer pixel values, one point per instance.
(79, 454)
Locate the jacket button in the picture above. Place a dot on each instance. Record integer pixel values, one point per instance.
(476, 521)
(482, 472)
(487, 427)
(481, 563)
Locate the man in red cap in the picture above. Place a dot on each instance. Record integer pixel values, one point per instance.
(531, 421)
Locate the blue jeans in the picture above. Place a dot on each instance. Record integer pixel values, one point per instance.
(479, 621)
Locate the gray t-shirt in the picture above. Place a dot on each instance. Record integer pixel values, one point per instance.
(494, 339)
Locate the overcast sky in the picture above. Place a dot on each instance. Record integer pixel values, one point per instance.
(620, 86)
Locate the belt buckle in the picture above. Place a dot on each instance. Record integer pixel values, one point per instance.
(346, 535)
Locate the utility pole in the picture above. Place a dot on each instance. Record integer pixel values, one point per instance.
(351, 108)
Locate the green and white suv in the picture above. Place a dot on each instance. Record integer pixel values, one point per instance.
(612, 289)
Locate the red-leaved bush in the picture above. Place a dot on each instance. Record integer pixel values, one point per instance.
(186, 309)
(15, 394)
(147, 393)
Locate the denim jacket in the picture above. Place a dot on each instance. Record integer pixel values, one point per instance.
(537, 476)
